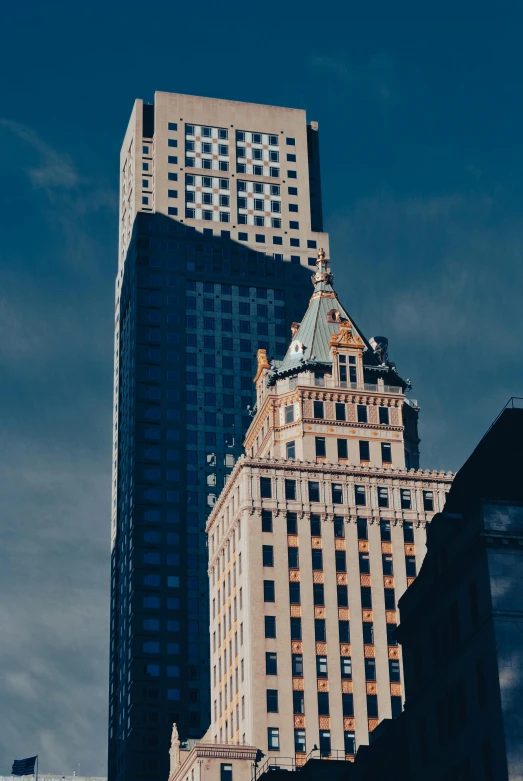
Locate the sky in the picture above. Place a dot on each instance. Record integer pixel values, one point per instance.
(421, 121)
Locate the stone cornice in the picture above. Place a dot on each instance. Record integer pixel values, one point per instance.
(215, 751)
(287, 466)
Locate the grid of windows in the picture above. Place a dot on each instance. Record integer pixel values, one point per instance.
(259, 204)
(207, 198)
(257, 153)
(207, 147)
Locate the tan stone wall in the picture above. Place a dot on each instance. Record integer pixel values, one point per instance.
(254, 725)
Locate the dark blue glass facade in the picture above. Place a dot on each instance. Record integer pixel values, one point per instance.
(194, 309)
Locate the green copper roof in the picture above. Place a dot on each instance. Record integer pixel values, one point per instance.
(316, 328)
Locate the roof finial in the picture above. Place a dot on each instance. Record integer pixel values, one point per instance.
(323, 273)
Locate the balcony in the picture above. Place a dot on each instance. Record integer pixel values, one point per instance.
(328, 382)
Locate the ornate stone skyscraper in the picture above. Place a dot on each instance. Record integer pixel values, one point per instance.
(315, 536)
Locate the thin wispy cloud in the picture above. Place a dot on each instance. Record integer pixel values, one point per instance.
(375, 78)
(55, 169)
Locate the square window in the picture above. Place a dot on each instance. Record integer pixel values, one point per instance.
(260, 238)
(299, 737)
(295, 242)
(292, 523)
(297, 665)
(273, 140)
(364, 450)
(343, 449)
(290, 141)
(383, 497)
(387, 564)
(360, 496)
(268, 556)
(408, 531)
(265, 488)
(290, 489)
(386, 453)
(405, 499)
(311, 244)
(384, 415)
(293, 225)
(361, 524)
(315, 521)
(362, 413)
(172, 142)
(292, 175)
(172, 126)
(337, 493)
(410, 566)
(172, 210)
(291, 158)
(273, 739)
(266, 521)
(318, 409)
(272, 700)
(366, 598)
(314, 491)
(271, 663)
(172, 193)
(428, 501)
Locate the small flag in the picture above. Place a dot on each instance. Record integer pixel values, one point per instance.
(24, 767)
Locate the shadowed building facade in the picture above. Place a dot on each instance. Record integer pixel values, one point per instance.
(220, 216)
(462, 623)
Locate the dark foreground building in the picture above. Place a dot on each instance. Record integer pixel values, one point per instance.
(461, 623)
(220, 218)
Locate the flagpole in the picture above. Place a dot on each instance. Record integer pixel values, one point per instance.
(37, 767)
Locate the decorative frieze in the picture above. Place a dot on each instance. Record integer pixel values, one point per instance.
(393, 652)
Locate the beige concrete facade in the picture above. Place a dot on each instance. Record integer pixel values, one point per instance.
(309, 554)
(153, 182)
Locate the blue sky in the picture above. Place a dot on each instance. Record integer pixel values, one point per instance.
(420, 119)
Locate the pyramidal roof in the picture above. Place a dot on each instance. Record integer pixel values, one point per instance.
(310, 342)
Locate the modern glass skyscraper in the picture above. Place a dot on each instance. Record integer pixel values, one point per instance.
(220, 220)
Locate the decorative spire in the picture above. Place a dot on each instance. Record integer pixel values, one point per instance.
(175, 750)
(263, 363)
(323, 272)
